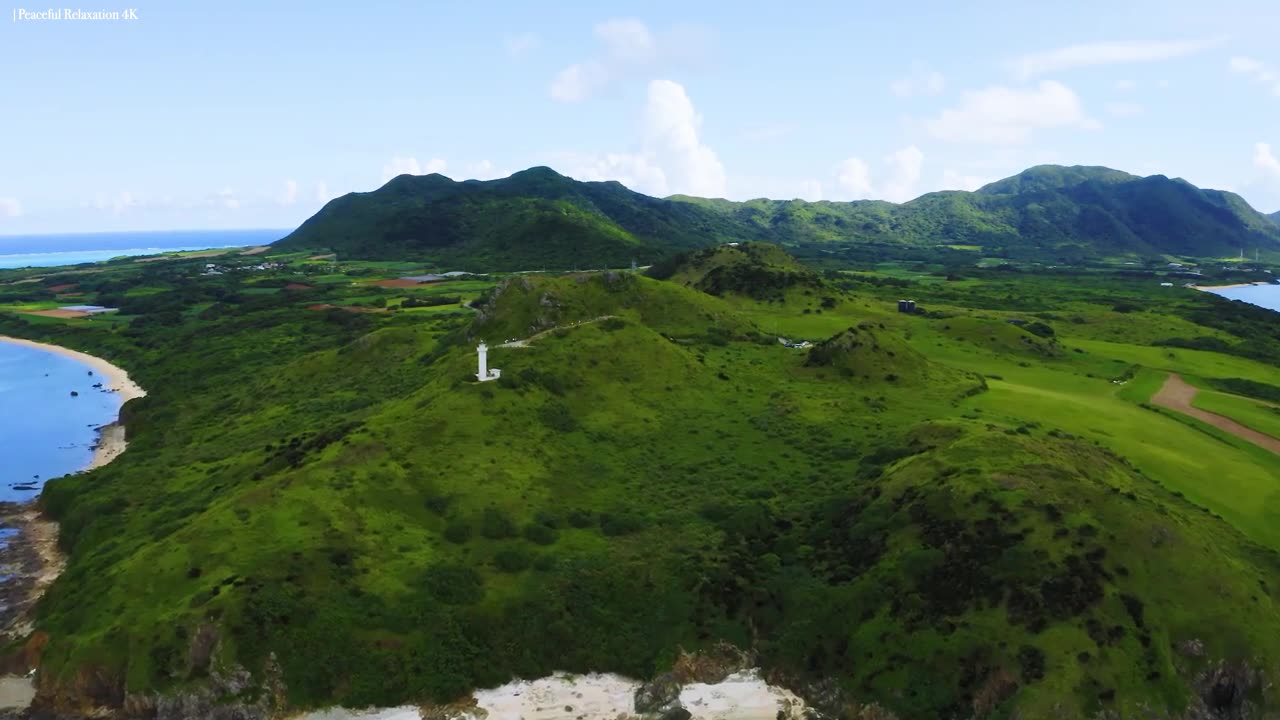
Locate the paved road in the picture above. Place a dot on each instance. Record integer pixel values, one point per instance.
(1177, 394)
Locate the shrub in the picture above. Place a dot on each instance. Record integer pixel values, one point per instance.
(458, 532)
(496, 524)
(454, 584)
(540, 534)
(512, 560)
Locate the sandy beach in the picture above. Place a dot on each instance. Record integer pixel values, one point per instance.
(111, 439)
(31, 559)
(1211, 288)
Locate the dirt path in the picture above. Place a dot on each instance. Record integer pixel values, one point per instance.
(1177, 394)
(524, 342)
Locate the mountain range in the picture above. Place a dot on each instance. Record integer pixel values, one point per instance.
(538, 218)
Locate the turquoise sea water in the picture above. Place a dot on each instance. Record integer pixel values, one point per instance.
(1267, 296)
(50, 250)
(44, 431)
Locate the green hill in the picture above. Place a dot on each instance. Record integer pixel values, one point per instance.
(538, 218)
(867, 516)
(534, 219)
(758, 270)
(1275, 217)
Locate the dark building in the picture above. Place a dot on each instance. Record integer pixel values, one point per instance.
(906, 306)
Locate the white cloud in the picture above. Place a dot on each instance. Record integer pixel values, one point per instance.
(626, 46)
(810, 190)
(626, 39)
(671, 158)
(637, 171)
(410, 166)
(1265, 160)
(521, 44)
(1124, 109)
(1109, 53)
(671, 133)
(952, 180)
(577, 82)
(322, 192)
(1244, 65)
(1004, 116)
(289, 194)
(921, 81)
(1125, 85)
(854, 178)
(225, 199)
(10, 207)
(482, 170)
(904, 173)
(1259, 71)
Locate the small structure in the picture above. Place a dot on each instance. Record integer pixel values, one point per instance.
(1166, 284)
(88, 309)
(483, 371)
(906, 306)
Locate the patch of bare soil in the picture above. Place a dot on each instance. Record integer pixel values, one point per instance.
(1177, 394)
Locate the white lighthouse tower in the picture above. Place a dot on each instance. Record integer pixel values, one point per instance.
(483, 371)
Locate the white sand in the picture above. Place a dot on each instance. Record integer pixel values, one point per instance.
(16, 692)
(111, 441)
(742, 696)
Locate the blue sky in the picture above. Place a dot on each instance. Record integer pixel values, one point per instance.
(228, 115)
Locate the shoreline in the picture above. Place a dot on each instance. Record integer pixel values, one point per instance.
(31, 558)
(1211, 288)
(111, 437)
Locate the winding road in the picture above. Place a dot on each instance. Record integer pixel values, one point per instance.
(1177, 394)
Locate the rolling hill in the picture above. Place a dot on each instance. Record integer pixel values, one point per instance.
(538, 218)
(1275, 217)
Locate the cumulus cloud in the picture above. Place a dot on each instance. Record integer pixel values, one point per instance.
(953, 180)
(810, 190)
(1124, 109)
(1006, 116)
(1108, 53)
(289, 193)
(898, 183)
(410, 166)
(482, 170)
(854, 178)
(671, 133)
(921, 81)
(671, 156)
(626, 45)
(520, 44)
(10, 207)
(1259, 71)
(637, 171)
(1265, 160)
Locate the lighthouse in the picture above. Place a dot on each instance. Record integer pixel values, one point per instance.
(483, 371)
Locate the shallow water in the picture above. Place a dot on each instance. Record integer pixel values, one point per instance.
(44, 431)
(1267, 296)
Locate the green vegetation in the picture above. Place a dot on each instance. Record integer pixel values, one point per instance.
(539, 219)
(965, 511)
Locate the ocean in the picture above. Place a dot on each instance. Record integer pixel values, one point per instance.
(70, 249)
(1267, 296)
(44, 431)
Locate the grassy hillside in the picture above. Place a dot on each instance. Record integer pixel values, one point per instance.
(534, 219)
(539, 219)
(950, 513)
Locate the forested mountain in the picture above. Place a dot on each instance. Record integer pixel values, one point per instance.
(538, 218)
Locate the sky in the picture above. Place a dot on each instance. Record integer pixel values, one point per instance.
(200, 115)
